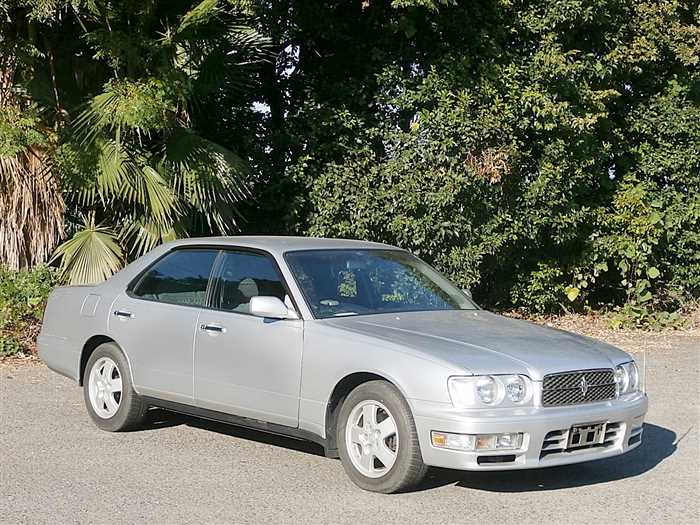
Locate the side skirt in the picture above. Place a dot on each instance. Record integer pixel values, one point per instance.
(245, 422)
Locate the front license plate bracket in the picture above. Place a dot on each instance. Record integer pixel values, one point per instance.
(586, 435)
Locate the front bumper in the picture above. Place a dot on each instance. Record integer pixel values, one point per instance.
(545, 433)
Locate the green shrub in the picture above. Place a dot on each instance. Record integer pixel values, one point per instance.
(541, 291)
(23, 297)
(640, 316)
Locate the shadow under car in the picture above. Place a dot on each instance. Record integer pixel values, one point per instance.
(658, 443)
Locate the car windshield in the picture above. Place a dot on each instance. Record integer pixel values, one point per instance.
(360, 282)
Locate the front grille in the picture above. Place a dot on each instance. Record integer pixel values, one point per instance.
(568, 388)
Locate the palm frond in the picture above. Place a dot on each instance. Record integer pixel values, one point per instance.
(141, 236)
(124, 177)
(210, 179)
(125, 108)
(216, 49)
(91, 256)
(97, 116)
(199, 16)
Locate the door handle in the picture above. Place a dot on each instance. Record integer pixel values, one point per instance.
(123, 313)
(213, 328)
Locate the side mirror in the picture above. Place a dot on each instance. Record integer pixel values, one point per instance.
(271, 307)
(467, 292)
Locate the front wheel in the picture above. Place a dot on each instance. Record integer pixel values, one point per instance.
(109, 396)
(377, 439)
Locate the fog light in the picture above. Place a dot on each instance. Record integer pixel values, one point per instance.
(509, 441)
(481, 442)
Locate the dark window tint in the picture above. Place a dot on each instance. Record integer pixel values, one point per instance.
(244, 275)
(180, 278)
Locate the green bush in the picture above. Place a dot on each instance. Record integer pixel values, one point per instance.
(542, 290)
(23, 297)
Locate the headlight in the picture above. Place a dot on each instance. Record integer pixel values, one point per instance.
(634, 376)
(626, 378)
(479, 391)
(621, 379)
(515, 388)
(487, 390)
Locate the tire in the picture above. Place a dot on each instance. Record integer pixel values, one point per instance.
(373, 457)
(110, 398)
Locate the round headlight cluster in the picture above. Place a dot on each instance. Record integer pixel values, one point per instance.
(475, 391)
(515, 388)
(626, 378)
(487, 390)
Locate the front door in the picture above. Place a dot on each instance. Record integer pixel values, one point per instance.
(156, 321)
(247, 365)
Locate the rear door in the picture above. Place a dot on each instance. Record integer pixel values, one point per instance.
(156, 320)
(247, 365)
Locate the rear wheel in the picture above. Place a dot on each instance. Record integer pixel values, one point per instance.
(377, 439)
(109, 395)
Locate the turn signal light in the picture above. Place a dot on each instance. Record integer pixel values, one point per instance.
(480, 442)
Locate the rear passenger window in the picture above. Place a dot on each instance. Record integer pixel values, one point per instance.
(242, 276)
(179, 278)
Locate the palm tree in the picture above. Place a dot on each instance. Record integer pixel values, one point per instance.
(137, 172)
(31, 205)
(127, 169)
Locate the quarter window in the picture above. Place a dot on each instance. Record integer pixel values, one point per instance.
(242, 276)
(179, 278)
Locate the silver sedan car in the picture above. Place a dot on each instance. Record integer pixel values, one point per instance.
(358, 346)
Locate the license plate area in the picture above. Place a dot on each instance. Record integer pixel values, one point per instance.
(586, 435)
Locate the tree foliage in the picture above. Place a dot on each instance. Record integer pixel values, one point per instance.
(545, 153)
(127, 80)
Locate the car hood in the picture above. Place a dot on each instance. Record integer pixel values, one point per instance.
(480, 342)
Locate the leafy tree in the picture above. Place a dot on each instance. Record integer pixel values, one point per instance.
(521, 146)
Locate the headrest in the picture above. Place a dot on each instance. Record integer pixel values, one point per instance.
(248, 288)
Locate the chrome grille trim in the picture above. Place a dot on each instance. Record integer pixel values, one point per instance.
(565, 388)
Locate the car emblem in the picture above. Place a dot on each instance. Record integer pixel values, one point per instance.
(583, 385)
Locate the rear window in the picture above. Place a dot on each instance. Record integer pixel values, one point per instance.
(181, 277)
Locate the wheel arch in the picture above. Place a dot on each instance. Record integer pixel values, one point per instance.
(341, 390)
(90, 346)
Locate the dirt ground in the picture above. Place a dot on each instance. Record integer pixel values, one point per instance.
(633, 341)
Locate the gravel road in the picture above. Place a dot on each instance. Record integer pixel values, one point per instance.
(57, 467)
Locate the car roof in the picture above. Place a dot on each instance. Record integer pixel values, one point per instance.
(281, 244)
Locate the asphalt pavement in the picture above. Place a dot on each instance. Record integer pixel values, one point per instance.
(57, 467)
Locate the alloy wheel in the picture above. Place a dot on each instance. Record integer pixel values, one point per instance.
(372, 439)
(105, 387)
